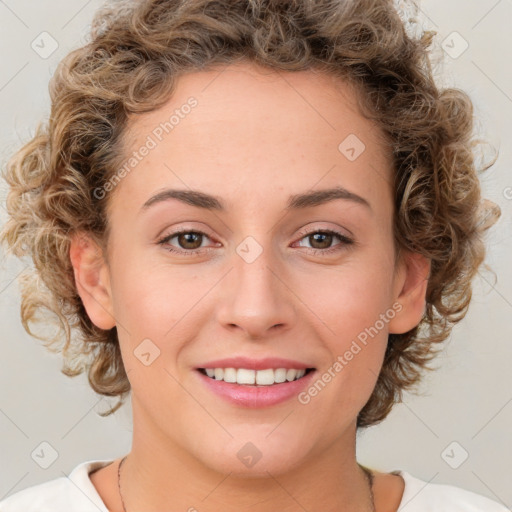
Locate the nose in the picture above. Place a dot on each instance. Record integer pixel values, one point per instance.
(257, 299)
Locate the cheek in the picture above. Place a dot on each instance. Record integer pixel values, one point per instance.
(350, 298)
(149, 294)
(353, 305)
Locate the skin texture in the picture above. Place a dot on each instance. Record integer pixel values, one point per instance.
(255, 137)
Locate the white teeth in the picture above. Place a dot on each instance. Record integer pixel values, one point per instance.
(266, 377)
(290, 375)
(230, 374)
(244, 376)
(279, 375)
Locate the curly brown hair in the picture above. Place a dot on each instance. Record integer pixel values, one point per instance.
(136, 53)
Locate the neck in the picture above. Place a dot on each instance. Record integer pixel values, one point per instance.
(159, 474)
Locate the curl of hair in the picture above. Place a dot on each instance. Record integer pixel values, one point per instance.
(135, 55)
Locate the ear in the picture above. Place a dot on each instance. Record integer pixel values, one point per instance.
(410, 290)
(92, 280)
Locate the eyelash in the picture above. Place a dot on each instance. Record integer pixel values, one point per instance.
(195, 252)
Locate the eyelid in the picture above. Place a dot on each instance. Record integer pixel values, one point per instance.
(164, 240)
(324, 229)
(185, 227)
(345, 240)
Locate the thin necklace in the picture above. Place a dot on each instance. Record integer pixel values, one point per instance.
(369, 477)
(367, 472)
(119, 481)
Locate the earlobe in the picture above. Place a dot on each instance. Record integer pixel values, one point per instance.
(412, 289)
(92, 280)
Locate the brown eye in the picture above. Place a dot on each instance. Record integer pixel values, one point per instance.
(185, 242)
(189, 240)
(321, 240)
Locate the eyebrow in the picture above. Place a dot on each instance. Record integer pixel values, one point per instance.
(295, 202)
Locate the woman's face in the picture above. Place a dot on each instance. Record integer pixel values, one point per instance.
(259, 275)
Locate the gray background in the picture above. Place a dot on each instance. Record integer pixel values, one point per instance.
(465, 407)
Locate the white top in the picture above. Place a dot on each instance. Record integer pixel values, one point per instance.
(76, 493)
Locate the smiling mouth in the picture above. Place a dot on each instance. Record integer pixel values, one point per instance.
(246, 377)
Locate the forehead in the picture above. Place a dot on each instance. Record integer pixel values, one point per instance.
(242, 129)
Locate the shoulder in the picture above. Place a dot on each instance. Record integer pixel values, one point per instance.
(423, 496)
(73, 493)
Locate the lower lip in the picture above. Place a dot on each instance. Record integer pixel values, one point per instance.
(254, 397)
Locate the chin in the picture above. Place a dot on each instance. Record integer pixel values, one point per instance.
(253, 456)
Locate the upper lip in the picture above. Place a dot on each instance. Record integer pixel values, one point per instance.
(255, 364)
